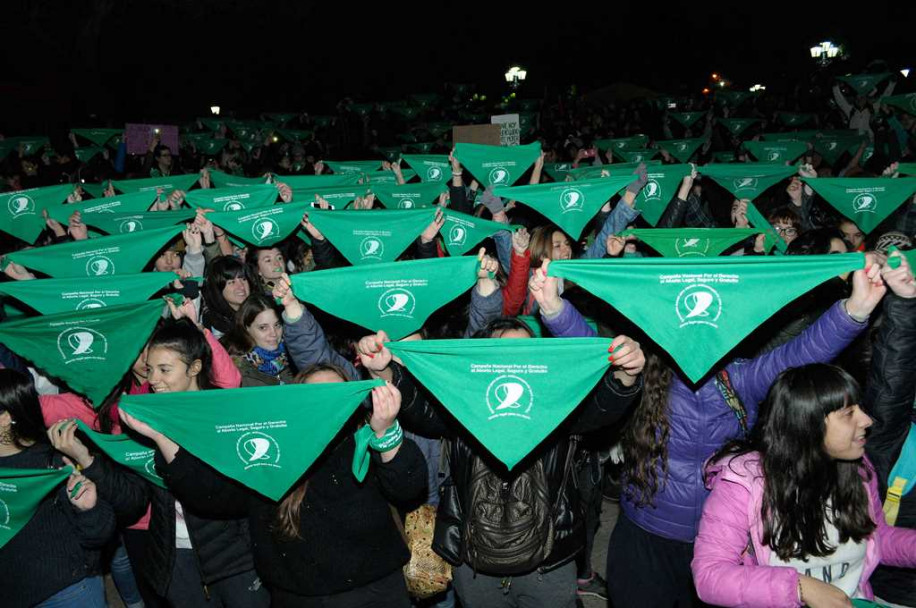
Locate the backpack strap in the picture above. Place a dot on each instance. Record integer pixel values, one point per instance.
(902, 478)
(724, 384)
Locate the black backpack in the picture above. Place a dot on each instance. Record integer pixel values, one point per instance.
(509, 527)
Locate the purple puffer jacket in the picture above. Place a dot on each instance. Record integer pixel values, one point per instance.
(700, 421)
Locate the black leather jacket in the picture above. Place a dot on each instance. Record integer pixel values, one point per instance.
(606, 404)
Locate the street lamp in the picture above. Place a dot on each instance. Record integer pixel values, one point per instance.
(825, 52)
(515, 76)
(758, 87)
(905, 72)
(214, 110)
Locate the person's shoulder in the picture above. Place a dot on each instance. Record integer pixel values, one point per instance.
(744, 469)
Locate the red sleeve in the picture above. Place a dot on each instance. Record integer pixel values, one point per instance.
(225, 373)
(55, 408)
(516, 288)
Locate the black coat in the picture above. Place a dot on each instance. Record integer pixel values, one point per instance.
(606, 404)
(889, 395)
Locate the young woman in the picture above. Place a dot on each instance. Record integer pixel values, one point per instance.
(331, 542)
(256, 343)
(227, 283)
(54, 560)
(801, 491)
(268, 264)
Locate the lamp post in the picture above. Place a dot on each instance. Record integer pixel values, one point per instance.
(515, 76)
(825, 52)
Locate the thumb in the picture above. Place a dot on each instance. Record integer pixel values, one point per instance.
(544, 266)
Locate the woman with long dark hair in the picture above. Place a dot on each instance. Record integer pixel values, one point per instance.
(227, 284)
(256, 343)
(801, 491)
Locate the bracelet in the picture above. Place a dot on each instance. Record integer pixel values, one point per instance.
(457, 173)
(801, 596)
(392, 438)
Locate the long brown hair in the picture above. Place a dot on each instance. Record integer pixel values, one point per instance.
(238, 341)
(645, 438)
(541, 245)
(286, 523)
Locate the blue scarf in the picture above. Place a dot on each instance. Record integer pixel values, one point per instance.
(270, 362)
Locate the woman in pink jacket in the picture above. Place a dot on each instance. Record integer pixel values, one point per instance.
(794, 517)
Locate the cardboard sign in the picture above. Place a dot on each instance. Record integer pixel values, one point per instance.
(509, 129)
(477, 134)
(139, 136)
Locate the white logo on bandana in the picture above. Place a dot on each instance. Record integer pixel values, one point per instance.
(257, 449)
(698, 304)
(81, 344)
(509, 395)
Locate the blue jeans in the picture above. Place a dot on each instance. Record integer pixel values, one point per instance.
(124, 580)
(87, 593)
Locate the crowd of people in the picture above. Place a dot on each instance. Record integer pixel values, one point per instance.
(780, 476)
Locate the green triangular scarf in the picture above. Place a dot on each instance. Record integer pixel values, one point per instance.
(126, 452)
(121, 203)
(168, 184)
(681, 149)
(387, 177)
(634, 155)
(747, 180)
(211, 147)
(396, 297)
(691, 242)
(409, 196)
(354, 166)
(121, 254)
(602, 171)
(338, 196)
(122, 223)
(727, 156)
(509, 394)
(732, 98)
(697, 310)
(906, 168)
(261, 227)
(90, 349)
(295, 135)
(306, 182)
(831, 148)
(233, 199)
(906, 102)
(737, 126)
(84, 155)
(497, 165)
(867, 201)
(776, 152)
(214, 124)
(97, 136)
(225, 180)
(688, 119)
(663, 184)
(96, 190)
(461, 232)
(20, 212)
(371, 236)
(281, 117)
(771, 237)
(792, 119)
(430, 167)
(21, 493)
(864, 83)
(51, 296)
(569, 205)
(558, 171)
(265, 438)
(636, 141)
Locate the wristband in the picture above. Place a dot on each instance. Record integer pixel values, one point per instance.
(365, 438)
(392, 438)
(893, 262)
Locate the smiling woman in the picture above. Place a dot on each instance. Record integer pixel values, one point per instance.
(256, 343)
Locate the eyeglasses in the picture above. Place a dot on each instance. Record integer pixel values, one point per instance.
(786, 230)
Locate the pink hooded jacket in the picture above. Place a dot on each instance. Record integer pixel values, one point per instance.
(728, 553)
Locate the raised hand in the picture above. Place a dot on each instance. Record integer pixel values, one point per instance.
(429, 234)
(373, 355)
(867, 290)
(520, 241)
(627, 356)
(545, 290)
(63, 437)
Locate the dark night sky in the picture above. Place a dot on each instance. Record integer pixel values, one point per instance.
(161, 59)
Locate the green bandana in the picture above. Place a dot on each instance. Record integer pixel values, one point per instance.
(727, 156)
(497, 165)
(168, 184)
(776, 152)
(338, 196)
(371, 236)
(261, 227)
(126, 452)
(863, 83)
(422, 147)
(90, 349)
(396, 297)
(803, 136)
(831, 148)
(697, 310)
(688, 119)
(570, 205)
(691, 242)
(29, 144)
(122, 223)
(681, 149)
(233, 199)
(461, 232)
(771, 237)
(21, 493)
(387, 177)
(509, 394)
(558, 171)
(390, 153)
(225, 180)
(634, 155)
(310, 182)
(281, 117)
(265, 438)
(211, 147)
(214, 124)
(602, 171)
(106, 206)
(737, 126)
(84, 155)
(51, 296)
(791, 119)
(732, 98)
(906, 168)
(20, 212)
(121, 254)
(96, 190)
(663, 184)
(409, 196)
(906, 102)
(323, 121)
(637, 141)
(97, 136)
(747, 180)
(354, 166)
(363, 109)
(433, 168)
(295, 135)
(867, 201)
